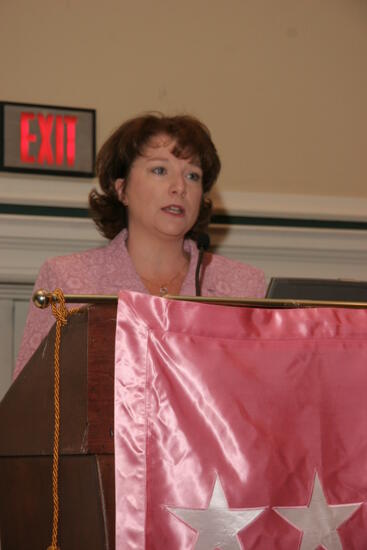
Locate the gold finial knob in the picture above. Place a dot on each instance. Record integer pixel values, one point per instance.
(42, 298)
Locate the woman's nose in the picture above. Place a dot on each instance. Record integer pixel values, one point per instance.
(178, 185)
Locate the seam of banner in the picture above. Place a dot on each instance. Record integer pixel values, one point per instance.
(217, 219)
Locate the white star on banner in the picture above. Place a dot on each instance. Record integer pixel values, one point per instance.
(217, 525)
(319, 520)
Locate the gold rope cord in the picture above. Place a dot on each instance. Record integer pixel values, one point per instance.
(61, 314)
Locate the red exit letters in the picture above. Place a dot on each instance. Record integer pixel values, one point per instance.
(51, 152)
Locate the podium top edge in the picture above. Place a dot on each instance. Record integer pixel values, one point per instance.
(282, 303)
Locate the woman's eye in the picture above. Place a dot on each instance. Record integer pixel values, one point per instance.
(194, 176)
(159, 170)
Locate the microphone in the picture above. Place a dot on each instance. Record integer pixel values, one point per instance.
(202, 243)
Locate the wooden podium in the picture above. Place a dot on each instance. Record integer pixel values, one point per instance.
(86, 471)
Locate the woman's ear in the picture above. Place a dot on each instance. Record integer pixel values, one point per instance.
(120, 185)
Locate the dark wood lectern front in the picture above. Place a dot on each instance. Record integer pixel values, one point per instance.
(86, 480)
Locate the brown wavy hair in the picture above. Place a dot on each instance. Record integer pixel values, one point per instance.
(118, 153)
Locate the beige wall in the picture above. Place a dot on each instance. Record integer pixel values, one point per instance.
(281, 83)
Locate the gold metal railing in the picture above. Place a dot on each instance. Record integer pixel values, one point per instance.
(43, 298)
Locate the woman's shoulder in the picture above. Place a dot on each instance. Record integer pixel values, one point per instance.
(226, 277)
(86, 258)
(83, 258)
(88, 271)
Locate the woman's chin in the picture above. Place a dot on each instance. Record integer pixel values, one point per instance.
(171, 234)
(174, 230)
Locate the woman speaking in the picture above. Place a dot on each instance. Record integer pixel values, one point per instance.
(155, 173)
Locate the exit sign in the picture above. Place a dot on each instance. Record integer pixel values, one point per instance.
(45, 139)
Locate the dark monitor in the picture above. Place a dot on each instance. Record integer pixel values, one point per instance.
(336, 290)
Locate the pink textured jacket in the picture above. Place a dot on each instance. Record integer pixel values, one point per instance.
(108, 269)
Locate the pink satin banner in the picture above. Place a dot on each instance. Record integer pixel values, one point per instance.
(239, 428)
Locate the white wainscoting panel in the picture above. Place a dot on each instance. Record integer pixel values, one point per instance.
(296, 252)
(14, 302)
(26, 241)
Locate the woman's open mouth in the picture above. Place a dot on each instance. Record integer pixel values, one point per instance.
(174, 209)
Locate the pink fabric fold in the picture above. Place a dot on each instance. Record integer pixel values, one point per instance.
(261, 400)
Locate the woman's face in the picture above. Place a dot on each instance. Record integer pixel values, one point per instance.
(162, 192)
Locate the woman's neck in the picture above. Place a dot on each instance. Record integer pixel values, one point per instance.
(157, 259)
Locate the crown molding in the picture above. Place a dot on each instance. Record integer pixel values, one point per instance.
(281, 205)
(58, 191)
(45, 190)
